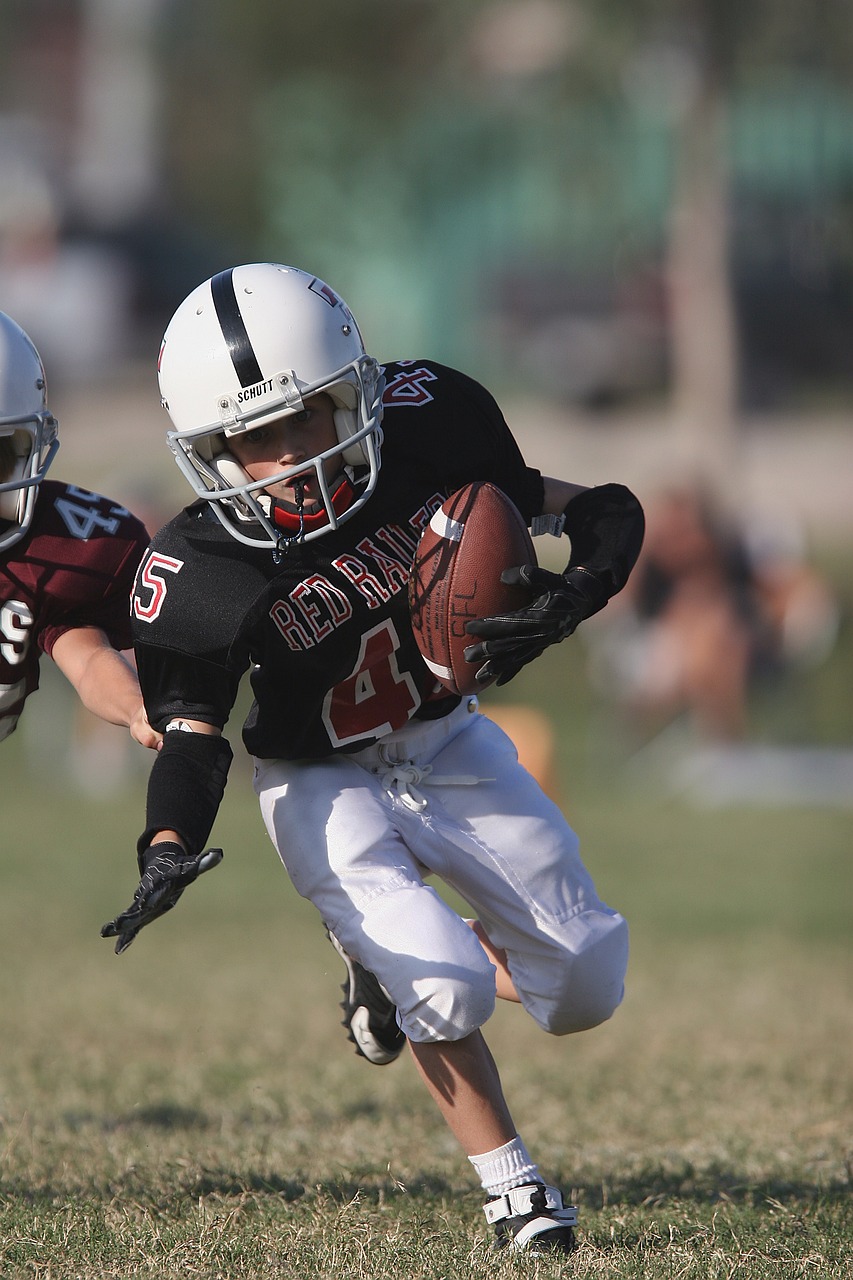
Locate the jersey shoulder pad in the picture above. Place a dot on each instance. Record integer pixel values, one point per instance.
(416, 384)
(83, 527)
(194, 587)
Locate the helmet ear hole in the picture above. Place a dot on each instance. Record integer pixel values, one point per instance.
(346, 425)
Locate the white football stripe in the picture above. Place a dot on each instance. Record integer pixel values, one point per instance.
(443, 673)
(445, 527)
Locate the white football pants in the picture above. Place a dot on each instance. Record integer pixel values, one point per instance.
(358, 834)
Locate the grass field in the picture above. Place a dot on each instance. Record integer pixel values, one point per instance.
(193, 1109)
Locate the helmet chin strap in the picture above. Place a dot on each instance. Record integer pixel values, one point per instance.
(286, 540)
(297, 523)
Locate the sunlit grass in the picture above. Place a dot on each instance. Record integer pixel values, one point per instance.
(192, 1108)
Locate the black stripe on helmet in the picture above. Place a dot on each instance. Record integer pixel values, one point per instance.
(234, 329)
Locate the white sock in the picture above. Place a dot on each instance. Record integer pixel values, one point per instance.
(505, 1167)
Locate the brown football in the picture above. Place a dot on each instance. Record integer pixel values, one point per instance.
(456, 577)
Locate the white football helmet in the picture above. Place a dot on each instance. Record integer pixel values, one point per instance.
(28, 431)
(249, 346)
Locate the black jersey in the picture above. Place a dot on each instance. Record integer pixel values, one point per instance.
(326, 632)
(73, 568)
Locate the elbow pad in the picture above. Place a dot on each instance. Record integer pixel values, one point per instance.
(185, 788)
(605, 526)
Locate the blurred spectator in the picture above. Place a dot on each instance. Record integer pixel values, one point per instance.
(710, 608)
(75, 295)
(801, 609)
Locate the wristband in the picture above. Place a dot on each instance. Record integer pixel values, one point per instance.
(146, 856)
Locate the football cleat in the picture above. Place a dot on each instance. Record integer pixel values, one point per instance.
(370, 1016)
(532, 1218)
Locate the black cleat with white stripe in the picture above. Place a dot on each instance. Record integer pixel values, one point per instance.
(370, 1016)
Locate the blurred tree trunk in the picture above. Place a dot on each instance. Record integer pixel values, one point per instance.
(703, 326)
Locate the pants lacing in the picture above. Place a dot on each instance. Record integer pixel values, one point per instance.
(403, 779)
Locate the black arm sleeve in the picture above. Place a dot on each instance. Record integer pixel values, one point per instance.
(606, 527)
(185, 788)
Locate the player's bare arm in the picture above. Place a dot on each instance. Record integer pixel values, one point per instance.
(67, 559)
(558, 494)
(104, 680)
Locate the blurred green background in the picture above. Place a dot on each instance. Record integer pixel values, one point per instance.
(633, 221)
(563, 195)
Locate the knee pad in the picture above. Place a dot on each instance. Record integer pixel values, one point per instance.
(427, 959)
(582, 986)
(450, 1005)
(452, 998)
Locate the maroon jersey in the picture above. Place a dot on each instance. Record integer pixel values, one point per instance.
(73, 568)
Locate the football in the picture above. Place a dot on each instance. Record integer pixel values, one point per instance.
(456, 577)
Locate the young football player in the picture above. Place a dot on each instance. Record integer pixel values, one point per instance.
(294, 563)
(67, 560)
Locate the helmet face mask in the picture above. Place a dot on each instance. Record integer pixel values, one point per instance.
(27, 428)
(247, 348)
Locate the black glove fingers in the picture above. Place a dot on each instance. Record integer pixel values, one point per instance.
(532, 642)
(143, 910)
(207, 861)
(124, 939)
(531, 577)
(507, 664)
(168, 871)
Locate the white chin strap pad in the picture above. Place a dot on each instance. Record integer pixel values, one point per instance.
(12, 501)
(346, 425)
(230, 470)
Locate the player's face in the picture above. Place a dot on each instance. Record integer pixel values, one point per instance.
(267, 450)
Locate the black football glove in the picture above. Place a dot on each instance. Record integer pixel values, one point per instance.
(165, 870)
(507, 642)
